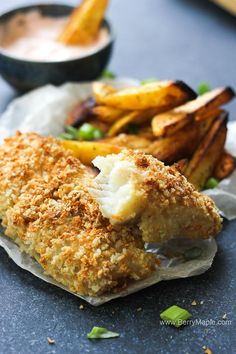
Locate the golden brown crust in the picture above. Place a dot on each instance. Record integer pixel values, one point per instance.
(47, 210)
(174, 207)
(134, 187)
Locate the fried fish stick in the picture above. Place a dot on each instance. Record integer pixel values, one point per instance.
(132, 186)
(47, 210)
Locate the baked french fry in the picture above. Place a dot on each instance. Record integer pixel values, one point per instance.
(183, 143)
(129, 141)
(137, 117)
(207, 102)
(162, 95)
(176, 147)
(205, 124)
(169, 123)
(84, 23)
(108, 114)
(119, 125)
(199, 109)
(86, 151)
(208, 153)
(101, 91)
(225, 166)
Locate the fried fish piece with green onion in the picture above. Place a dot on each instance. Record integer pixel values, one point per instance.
(136, 188)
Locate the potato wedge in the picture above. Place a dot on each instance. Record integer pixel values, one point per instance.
(108, 114)
(134, 142)
(225, 166)
(101, 91)
(118, 126)
(84, 23)
(204, 125)
(170, 149)
(86, 151)
(208, 153)
(176, 147)
(199, 109)
(162, 95)
(183, 143)
(135, 117)
(169, 123)
(207, 102)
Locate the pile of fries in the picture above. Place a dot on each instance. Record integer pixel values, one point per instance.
(166, 119)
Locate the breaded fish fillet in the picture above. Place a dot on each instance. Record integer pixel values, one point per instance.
(135, 187)
(47, 210)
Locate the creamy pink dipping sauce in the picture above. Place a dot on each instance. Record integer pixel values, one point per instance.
(32, 36)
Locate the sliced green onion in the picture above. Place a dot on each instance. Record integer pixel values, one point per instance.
(89, 132)
(148, 81)
(107, 74)
(66, 136)
(175, 316)
(203, 88)
(71, 130)
(192, 253)
(101, 333)
(211, 183)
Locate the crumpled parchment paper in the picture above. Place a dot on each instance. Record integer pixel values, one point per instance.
(44, 110)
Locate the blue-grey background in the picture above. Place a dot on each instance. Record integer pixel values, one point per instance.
(184, 39)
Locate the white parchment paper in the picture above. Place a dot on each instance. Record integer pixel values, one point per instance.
(44, 110)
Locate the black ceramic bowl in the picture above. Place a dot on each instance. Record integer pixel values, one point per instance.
(25, 75)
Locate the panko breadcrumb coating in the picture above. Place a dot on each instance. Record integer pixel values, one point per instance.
(47, 210)
(164, 205)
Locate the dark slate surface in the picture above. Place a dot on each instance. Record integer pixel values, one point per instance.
(187, 39)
